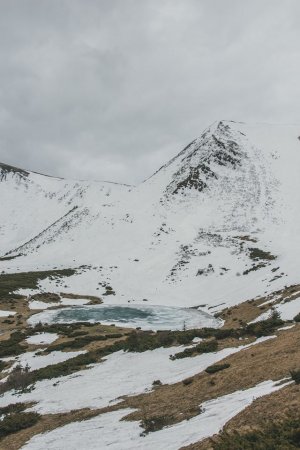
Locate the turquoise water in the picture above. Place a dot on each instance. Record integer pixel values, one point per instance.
(146, 317)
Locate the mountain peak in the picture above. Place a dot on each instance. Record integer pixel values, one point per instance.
(201, 161)
(186, 225)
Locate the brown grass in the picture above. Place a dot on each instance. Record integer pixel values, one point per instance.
(19, 320)
(269, 360)
(274, 407)
(249, 310)
(272, 359)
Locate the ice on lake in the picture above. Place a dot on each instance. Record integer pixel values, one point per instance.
(154, 317)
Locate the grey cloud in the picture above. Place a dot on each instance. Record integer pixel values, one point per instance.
(111, 90)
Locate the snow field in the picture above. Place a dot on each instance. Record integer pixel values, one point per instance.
(109, 431)
(121, 373)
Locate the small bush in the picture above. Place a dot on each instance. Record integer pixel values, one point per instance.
(19, 378)
(295, 374)
(203, 347)
(257, 253)
(155, 423)
(76, 343)
(187, 381)
(264, 327)
(156, 383)
(12, 408)
(16, 422)
(64, 368)
(282, 436)
(2, 365)
(216, 368)
(140, 342)
(78, 333)
(297, 318)
(11, 346)
(207, 347)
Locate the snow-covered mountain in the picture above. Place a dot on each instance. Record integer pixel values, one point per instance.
(219, 223)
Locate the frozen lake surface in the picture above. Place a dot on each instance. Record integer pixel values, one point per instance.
(143, 316)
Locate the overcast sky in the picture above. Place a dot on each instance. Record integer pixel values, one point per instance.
(112, 89)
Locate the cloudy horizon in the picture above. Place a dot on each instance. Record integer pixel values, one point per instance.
(111, 90)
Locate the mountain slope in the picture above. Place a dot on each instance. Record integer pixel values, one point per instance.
(31, 203)
(213, 226)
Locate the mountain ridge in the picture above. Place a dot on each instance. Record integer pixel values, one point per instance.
(179, 237)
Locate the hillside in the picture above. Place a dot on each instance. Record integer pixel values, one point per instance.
(160, 316)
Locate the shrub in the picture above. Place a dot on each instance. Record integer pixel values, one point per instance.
(264, 327)
(76, 343)
(13, 408)
(295, 374)
(226, 333)
(203, 347)
(283, 435)
(11, 346)
(2, 365)
(207, 347)
(155, 423)
(141, 342)
(257, 253)
(17, 421)
(78, 333)
(216, 368)
(297, 318)
(65, 367)
(19, 378)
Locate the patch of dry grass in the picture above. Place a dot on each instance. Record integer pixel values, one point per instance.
(272, 359)
(275, 407)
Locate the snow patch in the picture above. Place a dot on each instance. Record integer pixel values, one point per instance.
(42, 338)
(37, 304)
(121, 373)
(109, 431)
(35, 361)
(6, 313)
